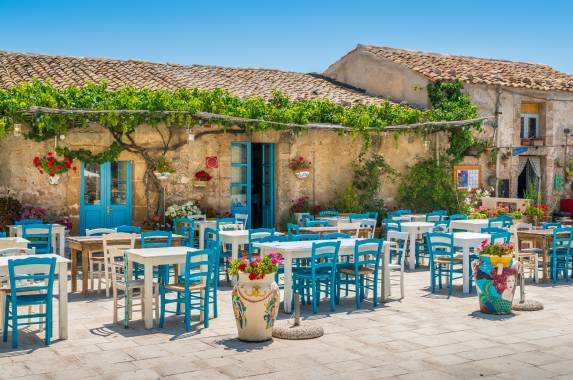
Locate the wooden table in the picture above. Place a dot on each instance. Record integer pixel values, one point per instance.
(13, 242)
(58, 236)
(470, 225)
(91, 244)
(61, 272)
(466, 241)
(303, 249)
(152, 257)
(414, 229)
(542, 239)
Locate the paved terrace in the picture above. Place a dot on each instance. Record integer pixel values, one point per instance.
(422, 337)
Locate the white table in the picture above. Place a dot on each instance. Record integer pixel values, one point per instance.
(149, 258)
(470, 225)
(13, 242)
(303, 249)
(61, 271)
(336, 220)
(466, 241)
(236, 238)
(415, 229)
(411, 217)
(354, 227)
(58, 236)
(201, 225)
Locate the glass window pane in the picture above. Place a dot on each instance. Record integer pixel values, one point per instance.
(239, 174)
(523, 134)
(239, 153)
(92, 184)
(532, 127)
(238, 196)
(119, 183)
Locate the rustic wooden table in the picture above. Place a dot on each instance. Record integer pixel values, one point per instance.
(541, 239)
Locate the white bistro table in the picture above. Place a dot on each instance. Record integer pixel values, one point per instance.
(13, 242)
(303, 249)
(470, 225)
(337, 220)
(354, 227)
(236, 238)
(411, 217)
(466, 241)
(414, 229)
(152, 257)
(61, 272)
(58, 236)
(201, 225)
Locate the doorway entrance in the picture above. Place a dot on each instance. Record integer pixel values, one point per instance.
(528, 176)
(252, 182)
(105, 195)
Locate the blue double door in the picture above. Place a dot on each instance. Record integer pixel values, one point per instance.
(253, 182)
(106, 195)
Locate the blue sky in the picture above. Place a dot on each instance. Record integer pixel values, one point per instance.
(293, 35)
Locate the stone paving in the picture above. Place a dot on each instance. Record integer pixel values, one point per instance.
(423, 336)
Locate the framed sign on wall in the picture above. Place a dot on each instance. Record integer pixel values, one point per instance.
(467, 177)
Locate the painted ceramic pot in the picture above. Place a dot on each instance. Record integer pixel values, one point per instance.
(162, 176)
(256, 305)
(54, 180)
(302, 174)
(496, 280)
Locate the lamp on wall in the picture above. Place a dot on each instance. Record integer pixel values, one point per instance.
(190, 135)
(17, 130)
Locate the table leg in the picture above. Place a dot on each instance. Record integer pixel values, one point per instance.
(54, 243)
(234, 250)
(63, 299)
(545, 275)
(201, 237)
(385, 291)
(148, 294)
(412, 255)
(85, 270)
(287, 262)
(466, 268)
(62, 243)
(74, 257)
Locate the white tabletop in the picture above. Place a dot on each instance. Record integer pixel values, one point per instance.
(59, 259)
(471, 236)
(417, 224)
(14, 240)
(160, 251)
(54, 225)
(101, 237)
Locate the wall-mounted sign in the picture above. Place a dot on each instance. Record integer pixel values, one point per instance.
(467, 177)
(519, 150)
(211, 162)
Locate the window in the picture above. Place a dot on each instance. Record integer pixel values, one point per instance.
(530, 127)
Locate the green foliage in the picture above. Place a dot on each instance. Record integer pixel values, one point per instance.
(108, 155)
(428, 185)
(347, 200)
(367, 181)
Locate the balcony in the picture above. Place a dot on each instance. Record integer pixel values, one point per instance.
(533, 141)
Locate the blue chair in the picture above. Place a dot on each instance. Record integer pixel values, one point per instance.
(242, 219)
(336, 235)
(372, 215)
(458, 217)
(2, 234)
(327, 213)
(441, 226)
(305, 237)
(443, 259)
(128, 229)
(498, 235)
(305, 217)
(496, 223)
(315, 223)
(185, 227)
(561, 253)
(550, 225)
(321, 273)
(292, 229)
(507, 220)
(255, 236)
(392, 214)
(392, 225)
(222, 221)
(40, 237)
(363, 272)
(352, 217)
(211, 241)
(28, 221)
(29, 289)
(194, 291)
(434, 216)
(155, 239)
(405, 211)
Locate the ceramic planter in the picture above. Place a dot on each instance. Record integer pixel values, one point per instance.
(495, 279)
(162, 176)
(255, 304)
(54, 180)
(200, 183)
(302, 174)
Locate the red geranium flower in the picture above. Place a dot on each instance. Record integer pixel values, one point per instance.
(252, 276)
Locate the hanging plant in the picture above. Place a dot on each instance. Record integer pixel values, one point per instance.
(300, 167)
(163, 168)
(53, 167)
(202, 178)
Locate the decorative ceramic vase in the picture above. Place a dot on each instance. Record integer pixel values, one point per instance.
(302, 174)
(255, 304)
(496, 280)
(162, 176)
(54, 180)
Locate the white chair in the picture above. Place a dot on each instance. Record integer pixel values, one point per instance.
(230, 226)
(15, 251)
(198, 217)
(368, 226)
(527, 253)
(120, 240)
(398, 245)
(242, 218)
(347, 227)
(96, 259)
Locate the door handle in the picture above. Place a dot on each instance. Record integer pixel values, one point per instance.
(108, 210)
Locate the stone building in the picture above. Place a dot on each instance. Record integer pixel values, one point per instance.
(532, 105)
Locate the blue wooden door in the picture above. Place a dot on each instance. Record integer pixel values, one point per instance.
(241, 179)
(268, 185)
(106, 195)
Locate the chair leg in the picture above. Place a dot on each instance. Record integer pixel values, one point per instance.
(5, 327)
(91, 273)
(187, 311)
(401, 284)
(114, 293)
(49, 325)
(14, 326)
(129, 304)
(162, 314)
(315, 297)
(156, 307)
(205, 297)
(332, 295)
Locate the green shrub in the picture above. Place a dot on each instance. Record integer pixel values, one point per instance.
(347, 200)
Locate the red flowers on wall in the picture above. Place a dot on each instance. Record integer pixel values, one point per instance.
(202, 175)
(51, 165)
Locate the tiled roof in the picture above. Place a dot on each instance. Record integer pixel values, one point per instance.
(244, 82)
(477, 70)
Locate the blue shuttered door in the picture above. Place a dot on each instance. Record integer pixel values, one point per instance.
(241, 179)
(268, 190)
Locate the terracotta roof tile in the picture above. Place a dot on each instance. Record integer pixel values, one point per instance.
(244, 82)
(477, 70)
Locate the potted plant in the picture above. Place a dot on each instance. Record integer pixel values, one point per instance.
(516, 216)
(300, 167)
(185, 210)
(53, 167)
(202, 178)
(255, 296)
(495, 277)
(536, 213)
(163, 168)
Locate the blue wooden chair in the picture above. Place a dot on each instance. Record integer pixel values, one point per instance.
(194, 291)
(324, 213)
(155, 239)
(550, 225)
(354, 217)
(2, 234)
(392, 225)
(561, 253)
(40, 237)
(305, 217)
(320, 274)
(373, 215)
(498, 235)
(31, 284)
(212, 242)
(185, 227)
(336, 235)
(405, 211)
(315, 223)
(507, 220)
(29, 221)
(363, 273)
(441, 226)
(255, 236)
(458, 217)
(392, 214)
(128, 229)
(444, 262)
(292, 229)
(434, 216)
(305, 237)
(495, 222)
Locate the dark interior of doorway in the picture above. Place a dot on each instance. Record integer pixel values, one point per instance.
(256, 185)
(525, 178)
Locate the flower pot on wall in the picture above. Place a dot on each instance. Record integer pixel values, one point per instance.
(200, 184)
(54, 180)
(162, 176)
(495, 279)
(302, 174)
(255, 305)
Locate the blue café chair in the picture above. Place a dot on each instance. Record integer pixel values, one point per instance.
(561, 253)
(550, 225)
(458, 217)
(305, 237)
(324, 213)
(29, 289)
(392, 225)
(255, 235)
(336, 235)
(392, 214)
(498, 234)
(434, 216)
(40, 237)
(292, 229)
(507, 220)
(212, 242)
(354, 216)
(128, 229)
(2, 234)
(28, 221)
(372, 215)
(363, 273)
(155, 239)
(186, 228)
(496, 222)
(315, 223)
(444, 262)
(242, 219)
(320, 273)
(193, 292)
(306, 217)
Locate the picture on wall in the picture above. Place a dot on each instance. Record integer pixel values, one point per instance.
(467, 177)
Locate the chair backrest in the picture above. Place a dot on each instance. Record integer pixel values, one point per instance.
(441, 225)
(243, 219)
(495, 222)
(199, 267)
(440, 243)
(31, 274)
(39, 235)
(405, 211)
(507, 220)
(367, 253)
(114, 246)
(2, 234)
(306, 216)
(372, 215)
(156, 239)
(223, 221)
(99, 231)
(315, 223)
(29, 221)
(352, 217)
(15, 251)
(336, 235)
(292, 229)
(256, 234)
(129, 229)
(328, 213)
(211, 238)
(398, 243)
(498, 234)
(273, 239)
(391, 214)
(562, 239)
(434, 216)
(185, 227)
(550, 225)
(324, 256)
(458, 217)
(305, 237)
(392, 225)
(370, 226)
